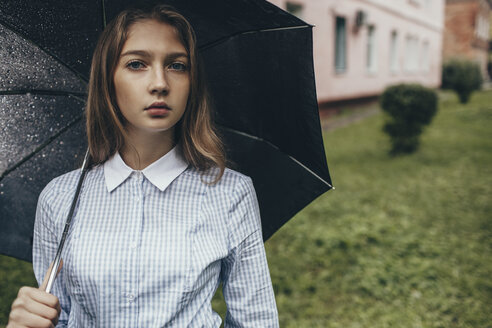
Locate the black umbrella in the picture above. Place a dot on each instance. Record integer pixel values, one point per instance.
(258, 61)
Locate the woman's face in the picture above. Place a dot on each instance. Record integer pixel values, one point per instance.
(152, 80)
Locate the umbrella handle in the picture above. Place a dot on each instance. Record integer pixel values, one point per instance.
(44, 285)
(55, 265)
(51, 274)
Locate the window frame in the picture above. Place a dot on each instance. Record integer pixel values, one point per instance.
(340, 49)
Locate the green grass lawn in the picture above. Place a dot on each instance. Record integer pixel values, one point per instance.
(401, 242)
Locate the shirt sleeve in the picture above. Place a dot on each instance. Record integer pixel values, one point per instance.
(247, 286)
(45, 244)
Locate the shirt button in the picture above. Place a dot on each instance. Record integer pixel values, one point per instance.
(133, 245)
(137, 199)
(130, 297)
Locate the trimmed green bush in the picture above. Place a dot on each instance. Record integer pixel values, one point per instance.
(462, 76)
(410, 107)
(489, 68)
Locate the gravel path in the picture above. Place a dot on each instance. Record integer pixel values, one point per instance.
(337, 121)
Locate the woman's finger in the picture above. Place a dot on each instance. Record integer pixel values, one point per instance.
(42, 310)
(37, 295)
(20, 317)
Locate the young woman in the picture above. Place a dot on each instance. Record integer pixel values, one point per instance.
(160, 221)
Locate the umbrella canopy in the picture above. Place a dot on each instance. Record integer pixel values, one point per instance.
(258, 61)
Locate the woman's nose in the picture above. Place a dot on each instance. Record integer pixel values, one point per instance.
(158, 83)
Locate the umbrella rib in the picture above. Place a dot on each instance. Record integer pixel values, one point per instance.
(41, 147)
(103, 13)
(224, 39)
(275, 147)
(78, 95)
(279, 29)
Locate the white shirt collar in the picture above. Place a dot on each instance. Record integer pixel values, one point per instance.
(160, 173)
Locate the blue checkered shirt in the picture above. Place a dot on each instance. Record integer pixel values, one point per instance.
(149, 248)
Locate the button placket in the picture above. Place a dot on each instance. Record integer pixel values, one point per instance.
(137, 182)
(135, 235)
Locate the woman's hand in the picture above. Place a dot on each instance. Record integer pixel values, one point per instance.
(35, 308)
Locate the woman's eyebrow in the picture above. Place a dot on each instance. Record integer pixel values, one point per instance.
(174, 55)
(144, 53)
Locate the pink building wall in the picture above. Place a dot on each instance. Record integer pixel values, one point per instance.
(418, 25)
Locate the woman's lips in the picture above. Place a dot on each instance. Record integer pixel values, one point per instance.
(158, 109)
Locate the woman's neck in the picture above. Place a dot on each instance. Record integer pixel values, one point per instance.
(141, 150)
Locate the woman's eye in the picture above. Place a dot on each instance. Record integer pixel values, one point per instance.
(135, 65)
(178, 67)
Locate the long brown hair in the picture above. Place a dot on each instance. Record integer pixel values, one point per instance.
(200, 143)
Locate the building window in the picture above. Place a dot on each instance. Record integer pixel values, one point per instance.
(340, 45)
(295, 9)
(371, 59)
(482, 27)
(394, 52)
(424, 60)
(411, 53)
